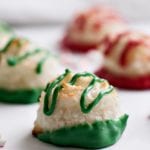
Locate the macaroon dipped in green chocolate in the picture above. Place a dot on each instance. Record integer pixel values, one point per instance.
(79, 110)
(24, 69)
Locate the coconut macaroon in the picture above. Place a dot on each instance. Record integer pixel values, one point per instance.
(90, 28)
(79, 110)
(24, 69)
(127, 61)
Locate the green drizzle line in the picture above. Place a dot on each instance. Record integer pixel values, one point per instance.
(55, 87)
(12, 61)
(7, 45)
(41, 63)
(48, 111)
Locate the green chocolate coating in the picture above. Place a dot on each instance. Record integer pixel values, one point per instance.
(99, 134)
(24, 96)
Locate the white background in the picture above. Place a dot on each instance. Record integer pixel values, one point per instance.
(59, 11)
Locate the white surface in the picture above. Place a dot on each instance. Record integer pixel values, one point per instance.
(39, 11)
(56, 11)
(17, 120)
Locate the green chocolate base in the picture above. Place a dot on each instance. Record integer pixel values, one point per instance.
(24, 96)
(99, 134)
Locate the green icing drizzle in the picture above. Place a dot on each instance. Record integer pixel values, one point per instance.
(22, 96)
(99, 134)
(49, 110)
(41, 63)
(88, 108)
(53, 89)
(12, 61)
(7, 45)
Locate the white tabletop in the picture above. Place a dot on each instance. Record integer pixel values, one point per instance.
(17, 120)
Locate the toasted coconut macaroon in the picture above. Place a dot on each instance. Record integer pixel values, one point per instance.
(79, 110)
(24, 70)
(89, 29)
(127, 61)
